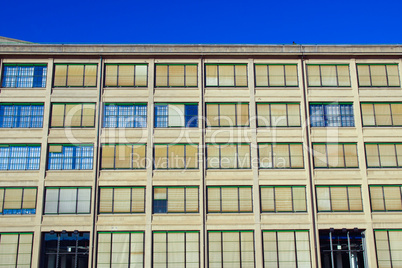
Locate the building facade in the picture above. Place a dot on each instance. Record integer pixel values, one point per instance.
(200, 156)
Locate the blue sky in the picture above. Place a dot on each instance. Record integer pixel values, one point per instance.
(204, 21)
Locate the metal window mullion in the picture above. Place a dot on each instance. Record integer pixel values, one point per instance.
(241, 261)
(383, 198)
(22, 199)
(220, 200)
(83, 80)
(326, 154)
(396, 155)
(111, 248)
(129, 247)
(336, 73)
(238, 199)
(369, 68)
(294, 235)
(379, 155)
(76, 201)
(284, 75)
(237, 156)
(117, 74)
(272, 155)
(386, 74)
(58, 204)
(343, 155)
(234, 75)
(287, 115)
(167, 246)
(185, 249)
(236, 124)
(274, 190)
(222, 249)
(167, 75)
(390, 112)
(348, 197)
(220, 155)
(2, 205)
(217, 75)
(67, 67)
(135, 84)
(167, 156)
(270, 115)
(167, 199)
(290, 157)
(18, 249)
(185, 199)
(293, 201)
(185, 156)
(184, 74)
(114, 158)
(330, 198)
(268, 80)
(131, 200)
(277, 250)
(390, 251)
(319, 67)
(374, 113)
(113, 200)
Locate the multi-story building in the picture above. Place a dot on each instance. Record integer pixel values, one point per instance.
(200, 156)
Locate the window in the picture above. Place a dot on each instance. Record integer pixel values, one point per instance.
(176, 115)
(17, 201)
(280, 155)
(75, 75)
(16, 249)
(70, 156)
(125, 115)
(382, 114)
(123, 156)
(388, 247)
(276, 75)
(283, 199)
(122, 200)
(19, 156)
(378, 75)
(328, 75)
(227, 115)
(73, 115)
(67, 200)
(229, 199)
(175, 199)
(176, 156)
(176, 75)
(24, 75)
(231, 249)
(227, 156)
(286, 248)
(226, 75)
(331, 115)
(385, 198)
(384, 155)
(65, 249)
(335, 155)
(173, 249)
(120, 249)
(126, 75)
(339, 198)
(21, 115)
(278, 115)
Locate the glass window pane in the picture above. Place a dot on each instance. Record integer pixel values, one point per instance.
(75, 76)
(343, 76)
(313, 75)
(226, 75)
(276, 75)
(261, 75)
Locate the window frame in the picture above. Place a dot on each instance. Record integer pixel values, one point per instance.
(184, 76)
(370, 76)
(28, 159)
(324, 117)
(65, 115)
(239, 204)
(83, 77)
(118, 104)
(273, 157)
(75, 200)
(379, 154)
(293, 200)
(113, 199)
(220, 154)
(17, 76)
(186, 125)
(330, 198)
(114, 157)
(384, 199)
(389, 260)
(15, 117)
(326, 155)
(21, 210)
(337, 75)
(270, 114)
(236, 115)
(19, 244)
(167, 199)
(63, 157)
(218, 77)
(375, 115)
(184, 156)
(284, 74)
(118, 75)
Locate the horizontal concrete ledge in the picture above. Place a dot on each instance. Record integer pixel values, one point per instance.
(145, 49)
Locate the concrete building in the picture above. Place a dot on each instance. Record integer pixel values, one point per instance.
(200, 155)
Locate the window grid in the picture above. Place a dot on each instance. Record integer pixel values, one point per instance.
(184, 202)
(170, 115)
(114, 156)
(319, 75)
(16, 250)
(388, 250)
(67, 200)
(331, 115)
(276, 75)
(378, 75)
(219, 116)
(384, 198)
(283, 199)
(243, 203)
(173, 159)
(171, 249)
(286, 248)
(335, 155)
(75, 75)
(19, 156)
(383, 155)
(381, 114)
(231, 248)
(217, 76)
(24, 75)
(280, 156)
(126, 75)
(278, 114)
(112, 203)
(17, 201)
(125, 115)
(331, 199)
(122, 249)
(236, 160)
(68, 115)
(70, 156)
(21, 115)
(168, 78)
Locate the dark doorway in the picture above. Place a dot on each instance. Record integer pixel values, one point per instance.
(65, 250)
(342, 248)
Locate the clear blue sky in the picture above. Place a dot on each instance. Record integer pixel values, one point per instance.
(204, 21)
